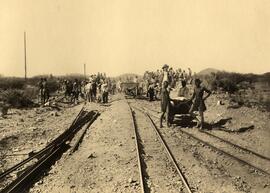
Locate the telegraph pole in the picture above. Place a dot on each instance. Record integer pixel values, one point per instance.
(84, 70)
(25, 64)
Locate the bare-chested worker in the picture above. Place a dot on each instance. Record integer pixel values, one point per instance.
(198, 103)
(183, 91)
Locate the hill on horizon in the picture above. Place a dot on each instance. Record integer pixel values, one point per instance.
(125, 75)
(208, 71)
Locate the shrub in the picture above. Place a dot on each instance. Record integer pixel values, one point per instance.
(16, 98)
(31, 92)
(228, 81)
(11, 83)
(53, 85)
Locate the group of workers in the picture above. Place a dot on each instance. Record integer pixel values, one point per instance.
(98, 87)
(153, 80)
(197, 98)
(94, 89)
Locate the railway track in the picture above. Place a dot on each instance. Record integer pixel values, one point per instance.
(148, 153)
(238, 146)
(231, 153)
(248, 165)
(35, 165)
(244, 156)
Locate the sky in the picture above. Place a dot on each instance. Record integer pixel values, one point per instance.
(132, 36)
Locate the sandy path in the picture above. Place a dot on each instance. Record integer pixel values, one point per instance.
(106, 160)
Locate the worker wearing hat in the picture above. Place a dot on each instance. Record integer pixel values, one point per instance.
(165, 74)
(165, 82)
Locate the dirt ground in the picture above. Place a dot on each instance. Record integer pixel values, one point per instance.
(106, 160)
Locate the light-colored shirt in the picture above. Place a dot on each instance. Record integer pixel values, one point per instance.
(104, 87)
(183, 92)
(88, 86)
(165, 77)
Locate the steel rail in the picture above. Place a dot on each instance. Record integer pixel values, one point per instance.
(226, 153)
(237, 146)
(39, 153)
(168, 151)
(26, 178)
(77, 143)
(139, 158)
(169, 154)
(19, 183)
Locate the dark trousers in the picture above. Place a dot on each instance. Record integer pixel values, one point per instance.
(151, 94)
(105, 97)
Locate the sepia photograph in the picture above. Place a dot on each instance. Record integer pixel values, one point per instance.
(134, 96)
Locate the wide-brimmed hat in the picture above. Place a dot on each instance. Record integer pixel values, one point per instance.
(165, 66)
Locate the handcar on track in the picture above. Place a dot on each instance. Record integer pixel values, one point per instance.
(130, 88)
(179, 106)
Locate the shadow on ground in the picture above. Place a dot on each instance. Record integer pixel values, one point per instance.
(190, 122)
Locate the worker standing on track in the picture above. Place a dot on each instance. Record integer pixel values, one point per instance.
(165, 103)
(198, 103)
(165, 74)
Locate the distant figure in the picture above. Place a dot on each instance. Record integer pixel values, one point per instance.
(87, 89)
(185, 75)
(93, 91)
(105, 92)
(135, 79)
(183, 91)
(113, 90)
(98, 94)
(198, 103)
(151, 92)
(68, 88)
(181, 76)
(75, 91)
(119, 87)
(189, 73)
(156, 91)
(165, 103)
(46, 94)
(165, 77)
(41, 91)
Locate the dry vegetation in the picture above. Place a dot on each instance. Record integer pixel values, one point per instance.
(18, 93)
(245, 89)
